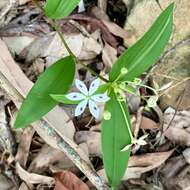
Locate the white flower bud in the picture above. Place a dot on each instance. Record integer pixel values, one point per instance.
(124, 71)
(107, 115)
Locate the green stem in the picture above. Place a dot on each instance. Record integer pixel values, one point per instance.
(126, 120)
(58, 30)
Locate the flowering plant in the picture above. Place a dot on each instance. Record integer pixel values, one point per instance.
(52, 87)
(87, 97)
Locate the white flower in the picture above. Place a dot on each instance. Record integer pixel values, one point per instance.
(87, 97)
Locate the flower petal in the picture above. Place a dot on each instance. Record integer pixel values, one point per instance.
(81, 86)
(94, 110)
(94, 86)
(100, 97)
(75, 96)
(127, 147)
(80, 108)
(141, 142)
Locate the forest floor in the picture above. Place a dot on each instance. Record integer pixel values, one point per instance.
(97, 32)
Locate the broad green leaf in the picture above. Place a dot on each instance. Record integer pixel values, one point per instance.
(145, 52)
(115, 136)
(58, 9)
(56, 79)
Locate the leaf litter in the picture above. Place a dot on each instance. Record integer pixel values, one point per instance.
(36, 163)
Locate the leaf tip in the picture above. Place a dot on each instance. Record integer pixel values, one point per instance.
(171, 7)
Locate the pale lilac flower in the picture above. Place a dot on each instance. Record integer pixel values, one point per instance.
(87, 97)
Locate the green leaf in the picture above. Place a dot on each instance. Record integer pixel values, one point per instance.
(145, 52)
(56, 79)
(115, 136)
(58, 9)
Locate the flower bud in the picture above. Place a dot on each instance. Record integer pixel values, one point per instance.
(124, 71)
(107, 115)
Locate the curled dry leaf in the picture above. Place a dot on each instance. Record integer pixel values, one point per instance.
(24, 146)
(33, 178)
(147, 123)
(68, 181)
(96, 23)
(17, 44)
(109, 55)
(177, 126)
(112, 27)
(142, 163)
(93, 140)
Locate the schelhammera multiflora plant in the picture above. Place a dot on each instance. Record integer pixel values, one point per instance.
(53, 86)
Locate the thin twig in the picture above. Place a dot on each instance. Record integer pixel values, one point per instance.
(65, 145)
(174, 86)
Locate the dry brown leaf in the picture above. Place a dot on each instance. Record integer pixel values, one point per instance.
(49, 157)
(175, 174)
(24, 146)
(90, 49)
(68, 181)
(17, 44)
(177, 126)
(93, 140)
(52, 48)
(178, 136)
(142, 163)
(96, 23)
(56, 50)
(109, 55)
(116, 30)
(113, 27)
(147, 123)
(96, 128)
(33, 178)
